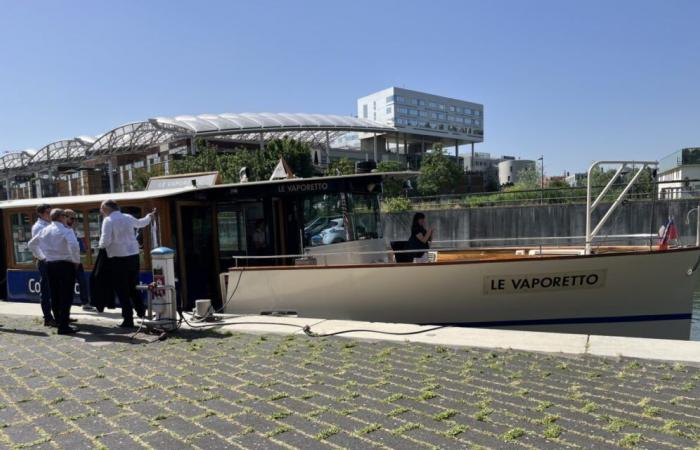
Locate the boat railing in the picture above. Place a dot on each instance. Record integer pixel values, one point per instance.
(452, 245)
(636, 167)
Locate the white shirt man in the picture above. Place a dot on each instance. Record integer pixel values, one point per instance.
(118, 239)
(119, 235)
(39, 225)
(58, 248)
(44, 220)
(56, 242)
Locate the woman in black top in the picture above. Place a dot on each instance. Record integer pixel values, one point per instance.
(420, 237)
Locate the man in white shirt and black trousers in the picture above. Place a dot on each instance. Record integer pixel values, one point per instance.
(58, 247)
(43, 212)
(119, 240)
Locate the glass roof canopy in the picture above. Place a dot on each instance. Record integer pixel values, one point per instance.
(135, 138)
(15, 160)
(61, 152)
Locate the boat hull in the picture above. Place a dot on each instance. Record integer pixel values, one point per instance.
(646, 294)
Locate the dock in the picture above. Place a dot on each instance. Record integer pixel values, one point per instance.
(262, 382)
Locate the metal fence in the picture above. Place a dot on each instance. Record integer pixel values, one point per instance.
(529, 197)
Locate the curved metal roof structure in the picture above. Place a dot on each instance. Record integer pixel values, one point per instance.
(15, 160)
(61, 152)
(130, 138)
(263, 122)
(136, 137)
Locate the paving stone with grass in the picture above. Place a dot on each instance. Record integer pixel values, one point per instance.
(204, 389)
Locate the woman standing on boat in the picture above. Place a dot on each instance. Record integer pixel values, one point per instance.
(420, 237)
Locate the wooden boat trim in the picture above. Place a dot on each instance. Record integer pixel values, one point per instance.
(477, 261)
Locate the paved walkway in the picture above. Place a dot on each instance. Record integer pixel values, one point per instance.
(210, 390)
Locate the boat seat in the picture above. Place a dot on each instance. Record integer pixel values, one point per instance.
(397, 246)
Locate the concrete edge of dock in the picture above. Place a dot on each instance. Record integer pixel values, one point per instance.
(559, 343)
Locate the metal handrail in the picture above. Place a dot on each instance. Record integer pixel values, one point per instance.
(375, 252)
(591, 205)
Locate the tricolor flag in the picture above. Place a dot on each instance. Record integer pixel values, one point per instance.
(668, 233)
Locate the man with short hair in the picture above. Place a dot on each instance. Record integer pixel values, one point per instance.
(118, 238)
(57, 245)
(43, 212)
(72, 223)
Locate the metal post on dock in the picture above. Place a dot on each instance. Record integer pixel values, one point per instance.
(541, 158)
(697, 228)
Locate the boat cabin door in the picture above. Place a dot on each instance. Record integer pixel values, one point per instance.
(197, 255)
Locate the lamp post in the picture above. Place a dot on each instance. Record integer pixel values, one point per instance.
(541, 158)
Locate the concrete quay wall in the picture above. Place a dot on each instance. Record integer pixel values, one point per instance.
(532, 221)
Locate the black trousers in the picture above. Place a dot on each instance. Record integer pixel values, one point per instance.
(62, 283)
(125, 278)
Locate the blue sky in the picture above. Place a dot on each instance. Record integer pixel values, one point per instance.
(571, 80)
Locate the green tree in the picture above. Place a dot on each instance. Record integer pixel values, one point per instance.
(645, 182)
(392, 186)
(397, 204)
(142, 176)
(528, 178)
(389, 166)
(600, 177)
(439, 173)
(260, 163)
(557, 183)
(342, 166)
(296, 153)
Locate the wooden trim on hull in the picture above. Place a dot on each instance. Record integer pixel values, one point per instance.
(510, 258)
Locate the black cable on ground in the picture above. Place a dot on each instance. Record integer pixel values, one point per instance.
(224, 323)
(131, 339)
(307, 328)
(308, 332)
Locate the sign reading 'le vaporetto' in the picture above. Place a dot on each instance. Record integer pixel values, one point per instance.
(544, 282)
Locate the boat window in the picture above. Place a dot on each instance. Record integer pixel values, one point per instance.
(21, 227)
(79, 228)
(231, 227)
(323, 219)
(94, 229)
(335, 218)
(364, 216)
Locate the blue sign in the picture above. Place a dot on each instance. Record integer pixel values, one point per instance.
(24, 285)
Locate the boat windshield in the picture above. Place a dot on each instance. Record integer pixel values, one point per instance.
(340, 217)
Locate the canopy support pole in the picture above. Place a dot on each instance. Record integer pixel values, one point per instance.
(110, 168)
(38, 185)
(374, 144)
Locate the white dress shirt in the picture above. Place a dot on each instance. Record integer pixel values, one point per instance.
(119, 234)
(39, 225)
(56, 242)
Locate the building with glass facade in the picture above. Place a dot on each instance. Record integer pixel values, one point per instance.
(421, 120)
(678, 174)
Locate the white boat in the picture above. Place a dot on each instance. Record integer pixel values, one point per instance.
(623, 290)
(640, 293)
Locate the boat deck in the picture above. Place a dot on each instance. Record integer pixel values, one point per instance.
(484, 254)
(500, 253)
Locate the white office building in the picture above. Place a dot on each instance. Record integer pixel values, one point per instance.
(420, 120)
(678, 174)
(509, 170)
